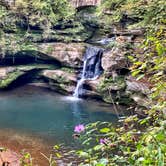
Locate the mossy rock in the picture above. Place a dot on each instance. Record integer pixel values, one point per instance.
(61, 80)
(116, 84)
(4, 83)
(113, 90)
(19, 71)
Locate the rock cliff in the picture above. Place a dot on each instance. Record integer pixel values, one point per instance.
(58, 62)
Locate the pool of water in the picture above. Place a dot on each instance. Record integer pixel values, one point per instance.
(44, 113)
(35, 119)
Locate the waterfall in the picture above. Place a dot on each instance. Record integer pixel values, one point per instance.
(91, 68)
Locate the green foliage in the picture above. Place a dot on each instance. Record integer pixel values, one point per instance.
(138, 140)
(109, 84)
(17, 20)
(38, 12)
(144, 13)
(129, 144)
(26, 159)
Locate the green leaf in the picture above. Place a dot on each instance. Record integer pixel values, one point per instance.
(87, 141)
(58, 155)
(160, 136)
(160, 157)
(140, 76)
(98, 147)
(136, 72)
(159, 49)
(56, 147)
(83, 154)
(102, 162)
(105, 130)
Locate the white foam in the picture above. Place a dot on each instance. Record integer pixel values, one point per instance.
(71, 98)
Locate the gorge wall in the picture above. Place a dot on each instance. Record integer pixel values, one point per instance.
(58, 60)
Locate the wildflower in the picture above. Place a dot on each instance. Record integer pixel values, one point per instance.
(79, 128)
(103, 141)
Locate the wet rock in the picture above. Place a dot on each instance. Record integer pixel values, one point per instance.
(113, 59)
(93, 84)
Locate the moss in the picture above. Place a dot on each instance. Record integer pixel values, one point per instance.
(68, 70)
(19, 71)
(109, 83)
(35, 66)
(114, 90)
(125, 100)
(49, 50)
(4, 83)
(61, 80)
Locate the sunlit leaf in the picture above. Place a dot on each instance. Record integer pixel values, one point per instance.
(104, 130)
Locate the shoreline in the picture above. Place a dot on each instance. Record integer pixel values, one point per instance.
(18, 144)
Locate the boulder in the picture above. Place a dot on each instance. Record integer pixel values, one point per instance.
(4, 71)
(141, 100)
(10, 74)
(93, 84)
(113, 59)
(139, 90)
(69, 55)
(62, 81)
(139, 86)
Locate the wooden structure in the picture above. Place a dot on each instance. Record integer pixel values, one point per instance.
(82, 3)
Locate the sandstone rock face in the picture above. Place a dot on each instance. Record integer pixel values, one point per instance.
(4, 71)
(93, 84)
(139, 91)
(64, 82)
(113, 59)
(137, 86)
(69, 55)
(61, 81)
(60, 74)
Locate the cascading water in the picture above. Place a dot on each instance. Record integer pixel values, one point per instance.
(91, 68)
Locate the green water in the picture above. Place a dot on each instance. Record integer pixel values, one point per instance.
(48, 115)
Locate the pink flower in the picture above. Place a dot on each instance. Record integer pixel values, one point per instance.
(79, 128)
(103, 141)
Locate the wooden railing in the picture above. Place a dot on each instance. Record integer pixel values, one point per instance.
(75, 3)
(79, 3)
